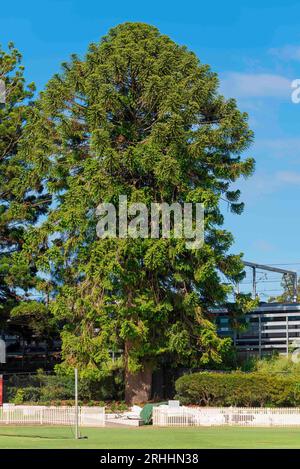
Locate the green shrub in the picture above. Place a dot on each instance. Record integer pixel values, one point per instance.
(42, 387)
(27, 394)
(31, 394)
(239, 389)
(19, 397)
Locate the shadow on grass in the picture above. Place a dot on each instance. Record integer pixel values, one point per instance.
(9, 435)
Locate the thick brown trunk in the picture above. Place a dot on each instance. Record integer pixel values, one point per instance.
(138, 385)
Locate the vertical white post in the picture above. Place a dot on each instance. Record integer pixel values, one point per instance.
(76, 404)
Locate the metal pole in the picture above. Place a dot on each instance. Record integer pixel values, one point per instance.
(270, 268)
(76, 405)
(295, 289)
(254, 283)
(287, 340)
(2, 360)
(259, 336)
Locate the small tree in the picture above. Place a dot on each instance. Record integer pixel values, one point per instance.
(287, 296)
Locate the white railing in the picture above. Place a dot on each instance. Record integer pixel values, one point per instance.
(92, 416)
(164, 416)
(44, 415)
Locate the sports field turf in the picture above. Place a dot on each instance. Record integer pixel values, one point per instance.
(150, 438)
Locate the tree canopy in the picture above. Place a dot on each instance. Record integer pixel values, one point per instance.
(138, 116)
(20, 203)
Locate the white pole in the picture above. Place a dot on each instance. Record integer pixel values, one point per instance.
(76, 405)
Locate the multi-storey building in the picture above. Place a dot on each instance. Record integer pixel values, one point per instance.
(269, 328)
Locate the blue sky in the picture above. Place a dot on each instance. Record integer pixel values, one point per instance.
(253, 46)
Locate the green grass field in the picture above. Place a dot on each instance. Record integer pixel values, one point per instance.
(149, 438)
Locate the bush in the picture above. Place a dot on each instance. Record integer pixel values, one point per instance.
(19, 397)
(239, 389)
(42, 387)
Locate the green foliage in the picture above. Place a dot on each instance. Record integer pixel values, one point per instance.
(48, 388)
(288, 291)
(239, 389)
(138, 115)
(21, 395)
(22, 199)
(276, 364)
(36, 317)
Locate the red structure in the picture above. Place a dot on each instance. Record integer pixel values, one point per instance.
(1, 390)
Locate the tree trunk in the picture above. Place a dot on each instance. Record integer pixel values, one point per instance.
(138, 385)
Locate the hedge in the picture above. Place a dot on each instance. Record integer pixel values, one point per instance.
(239, 389)
(43, 387)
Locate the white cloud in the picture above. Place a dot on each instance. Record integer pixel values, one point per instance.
(288, 177)
(263, 245)
(280, 147)
(261, 183)
(264, 183)
(255, 85)
(288, 52)
(267, 183)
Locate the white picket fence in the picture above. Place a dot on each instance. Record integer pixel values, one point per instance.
(51, 415)
(164, 416)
